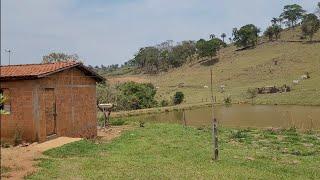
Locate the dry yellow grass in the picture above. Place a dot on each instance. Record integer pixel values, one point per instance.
(240, 70)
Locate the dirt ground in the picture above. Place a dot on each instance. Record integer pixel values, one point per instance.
(21, 161)
(112, 132)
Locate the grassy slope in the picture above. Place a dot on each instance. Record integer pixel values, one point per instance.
(162, 151)
(239, 70)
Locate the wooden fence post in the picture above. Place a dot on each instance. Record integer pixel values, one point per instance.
(184, 118)
(215, 139)
(214, 126)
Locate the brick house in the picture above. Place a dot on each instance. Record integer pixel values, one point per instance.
(48, 100)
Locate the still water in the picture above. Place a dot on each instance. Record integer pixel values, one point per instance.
(258, 116)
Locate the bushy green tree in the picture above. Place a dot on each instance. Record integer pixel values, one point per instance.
(310, 25)
(132, 95)
(209, 48)
(164, 56)
(273, 31)
(269, 33)
(276, 31)
(181, 52)
(59, 57)
(246, 36)
(178, 98)
(292, 13)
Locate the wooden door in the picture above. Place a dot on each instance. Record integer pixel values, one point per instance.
(50, 112)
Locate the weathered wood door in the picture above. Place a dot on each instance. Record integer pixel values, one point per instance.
(50, 111)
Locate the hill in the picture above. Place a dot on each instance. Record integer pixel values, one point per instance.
(240, 70)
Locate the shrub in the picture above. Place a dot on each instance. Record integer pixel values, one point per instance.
(252, 93)
(134, 95)
(238, 134)
(117, 122)
(227, 100)
(164, 103)
(178, 98)
(17, 138)
(141, 123)
(5, 144)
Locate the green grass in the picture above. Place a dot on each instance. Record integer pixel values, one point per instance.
(169, 151)
(252, 68)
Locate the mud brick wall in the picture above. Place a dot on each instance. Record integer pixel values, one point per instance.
(75, 95)
(20, 99)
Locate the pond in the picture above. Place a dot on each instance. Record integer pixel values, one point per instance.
(257, 116)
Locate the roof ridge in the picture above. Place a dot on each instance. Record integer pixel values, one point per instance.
(32, 64)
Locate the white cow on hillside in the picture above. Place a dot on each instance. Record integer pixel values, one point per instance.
(295, 82)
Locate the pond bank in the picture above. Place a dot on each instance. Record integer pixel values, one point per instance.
(159, 110)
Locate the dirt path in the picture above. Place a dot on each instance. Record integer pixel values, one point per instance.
(21, 160)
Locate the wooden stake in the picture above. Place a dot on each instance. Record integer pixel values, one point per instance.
(214, 126)
(184, 118)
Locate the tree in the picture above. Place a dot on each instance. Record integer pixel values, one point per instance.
(246, 36)
(280, 20)
(59, 57)
(310, 25)
(148, 59)
(223, 35)
(212, 36)
(273, 31)
(234, 31)
(181, 52)
(274, 20)
(318, 9)
(269, 33)
(292, 13)
(252, 93)
(276, 31)
(208, 48)
(178, 98)
(132, 95)
(105, 93)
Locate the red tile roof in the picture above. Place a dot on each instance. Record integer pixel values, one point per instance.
(34, 71)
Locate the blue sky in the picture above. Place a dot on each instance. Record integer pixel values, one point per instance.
(112, 31)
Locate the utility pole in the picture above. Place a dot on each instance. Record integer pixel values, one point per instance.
(9, 52)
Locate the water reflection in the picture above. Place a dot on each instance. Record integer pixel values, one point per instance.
(302, 117)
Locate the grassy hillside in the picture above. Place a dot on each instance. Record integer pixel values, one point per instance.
(240, 70)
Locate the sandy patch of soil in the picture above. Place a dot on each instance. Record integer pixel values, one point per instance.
(112, 132)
